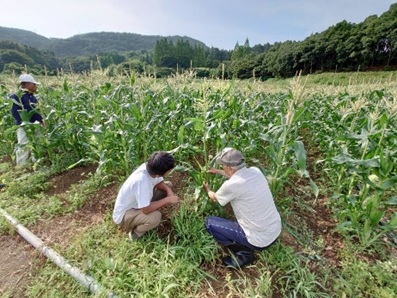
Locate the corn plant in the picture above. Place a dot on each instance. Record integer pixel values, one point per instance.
(356, 158)
(203, 129)
(283, 146)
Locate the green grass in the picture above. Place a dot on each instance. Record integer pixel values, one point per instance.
(147, 268)
(25, 199)
(366, 279)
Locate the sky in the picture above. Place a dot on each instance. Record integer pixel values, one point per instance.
(217, 23)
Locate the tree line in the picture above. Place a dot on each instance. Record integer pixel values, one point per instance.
(345, 46)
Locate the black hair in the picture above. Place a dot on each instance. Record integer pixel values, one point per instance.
(159, 163)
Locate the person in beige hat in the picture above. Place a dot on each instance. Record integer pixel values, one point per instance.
(25, 101)
(257, 224)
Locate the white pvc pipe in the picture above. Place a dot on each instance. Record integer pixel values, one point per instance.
(85, 280)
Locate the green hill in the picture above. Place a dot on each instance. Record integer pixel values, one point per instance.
(24, 37)
(90, 43)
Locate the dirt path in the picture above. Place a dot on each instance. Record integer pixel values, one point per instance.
(17, 259)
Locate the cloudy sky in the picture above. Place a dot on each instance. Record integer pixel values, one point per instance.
(217, 23)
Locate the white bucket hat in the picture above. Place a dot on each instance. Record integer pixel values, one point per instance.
(26, 78)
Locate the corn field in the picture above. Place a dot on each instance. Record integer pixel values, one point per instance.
(334, 141)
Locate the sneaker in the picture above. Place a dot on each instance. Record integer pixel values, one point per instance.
(2, 186)
(242, 258)
(133, 236)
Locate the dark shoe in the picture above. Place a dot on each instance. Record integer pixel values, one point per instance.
(242, 258)
(235, 247)
(2, 186)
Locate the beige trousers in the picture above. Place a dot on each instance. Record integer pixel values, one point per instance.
(135, 220)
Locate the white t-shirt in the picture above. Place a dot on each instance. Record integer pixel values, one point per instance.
(251, 199)
(135, 193)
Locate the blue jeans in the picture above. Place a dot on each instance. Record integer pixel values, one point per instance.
(228, 232)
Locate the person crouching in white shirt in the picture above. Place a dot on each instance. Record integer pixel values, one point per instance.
(141, 196)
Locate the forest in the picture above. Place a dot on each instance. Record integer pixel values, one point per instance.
(369, 45)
